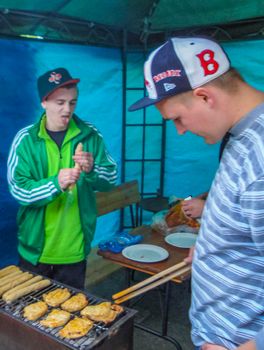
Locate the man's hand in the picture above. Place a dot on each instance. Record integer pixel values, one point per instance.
(250, 345)
(193, 207)
(189, 258)
(67, 177)
(85, 161)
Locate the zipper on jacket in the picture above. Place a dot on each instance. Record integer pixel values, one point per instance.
(60, 156)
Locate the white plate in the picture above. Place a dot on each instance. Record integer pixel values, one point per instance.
(147, 253)
(181, 239)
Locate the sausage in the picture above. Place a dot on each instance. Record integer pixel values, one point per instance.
(79, 148)
(5, 271)
(13, 295)
(25, 284)
(12, 276)
(17, 281)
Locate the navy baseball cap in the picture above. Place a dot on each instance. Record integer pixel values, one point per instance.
(181, 65)
(53, 80)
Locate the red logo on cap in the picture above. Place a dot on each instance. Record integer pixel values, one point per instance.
(209, 64)
(168, 73)
(147, 84)
(55, 78)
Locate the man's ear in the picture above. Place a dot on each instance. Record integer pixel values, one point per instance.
(43, 104)
(205, 94)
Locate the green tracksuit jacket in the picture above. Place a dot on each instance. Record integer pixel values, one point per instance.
(31, 186)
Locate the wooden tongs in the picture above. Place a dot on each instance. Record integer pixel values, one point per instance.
(152, 282)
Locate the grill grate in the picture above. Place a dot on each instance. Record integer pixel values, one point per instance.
(97, 334)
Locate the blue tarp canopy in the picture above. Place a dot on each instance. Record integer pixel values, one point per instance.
(142, 22)
(190, 164)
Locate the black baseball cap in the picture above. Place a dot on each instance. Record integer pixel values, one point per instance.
(53, 80)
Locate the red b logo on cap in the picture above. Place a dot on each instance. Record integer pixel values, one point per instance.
(210, 66)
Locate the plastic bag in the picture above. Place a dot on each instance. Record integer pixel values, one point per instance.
(118, 242)
(160, 222)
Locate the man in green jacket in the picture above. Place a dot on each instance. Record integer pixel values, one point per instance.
(54, 182)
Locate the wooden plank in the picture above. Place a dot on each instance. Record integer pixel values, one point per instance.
(120, 197)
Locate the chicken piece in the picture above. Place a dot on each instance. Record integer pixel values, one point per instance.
(176, 217)
(104, 312)
(76, 328)
(75, 303)
(56, 318)
(117, 308)
(56, 297)
(34, 311)
(97, 310)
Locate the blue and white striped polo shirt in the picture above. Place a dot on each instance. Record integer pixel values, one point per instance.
(228, 266)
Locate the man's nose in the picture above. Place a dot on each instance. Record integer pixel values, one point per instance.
(67, 107)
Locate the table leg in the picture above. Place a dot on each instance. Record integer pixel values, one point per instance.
(158, 334)
(165, 297)
(128, 277)
(165, 310)
(164, 320)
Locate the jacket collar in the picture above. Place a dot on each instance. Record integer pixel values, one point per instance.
(76, 123)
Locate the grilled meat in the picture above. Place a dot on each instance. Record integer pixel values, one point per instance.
(34, 311)
(76, 328)
(104, 312)
(56, 318)
(56, 297)
(75, 303)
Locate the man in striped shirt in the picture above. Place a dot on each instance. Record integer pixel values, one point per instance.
(209, 98)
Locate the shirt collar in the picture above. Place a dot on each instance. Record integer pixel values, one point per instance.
(72, 131)
(247, 120)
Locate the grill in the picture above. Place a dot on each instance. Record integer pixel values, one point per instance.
(17, 333)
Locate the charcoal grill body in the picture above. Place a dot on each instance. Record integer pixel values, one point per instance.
(17, 333)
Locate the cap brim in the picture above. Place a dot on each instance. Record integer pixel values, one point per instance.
(143, 103)
(72, 81)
